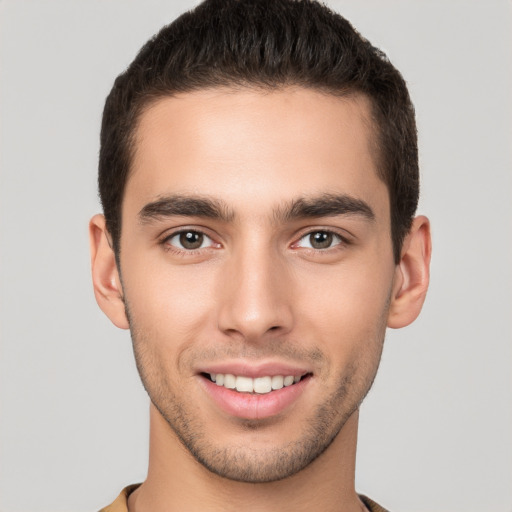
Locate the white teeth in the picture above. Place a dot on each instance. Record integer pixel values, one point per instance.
(244, 384)
(277, 382)
(229, 381)
(288, 380)
(261, 385)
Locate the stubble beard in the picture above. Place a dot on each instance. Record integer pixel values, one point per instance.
(241, 462)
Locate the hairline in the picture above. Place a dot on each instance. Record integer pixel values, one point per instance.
(151, 97)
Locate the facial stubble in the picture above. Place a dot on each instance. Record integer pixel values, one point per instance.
(241, 462)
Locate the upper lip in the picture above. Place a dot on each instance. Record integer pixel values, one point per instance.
(254, 369)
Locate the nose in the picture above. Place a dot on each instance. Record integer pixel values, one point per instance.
(255, 295)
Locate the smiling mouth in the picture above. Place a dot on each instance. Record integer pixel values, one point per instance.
(258, 385)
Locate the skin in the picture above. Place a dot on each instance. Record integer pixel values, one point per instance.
(258, 290)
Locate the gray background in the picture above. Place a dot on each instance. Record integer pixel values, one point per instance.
(436, 428)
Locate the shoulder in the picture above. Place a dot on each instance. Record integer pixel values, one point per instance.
(371, 505)
(121, 502)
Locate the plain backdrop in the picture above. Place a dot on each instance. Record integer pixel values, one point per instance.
(435, 430)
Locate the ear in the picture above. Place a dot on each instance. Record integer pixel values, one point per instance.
(412, 275)
(105, 276)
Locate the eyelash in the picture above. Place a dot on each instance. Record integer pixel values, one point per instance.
(165, 242)
(342, 241)
(338, 241)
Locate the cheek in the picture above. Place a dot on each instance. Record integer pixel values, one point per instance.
(170, 307)
(346, 307)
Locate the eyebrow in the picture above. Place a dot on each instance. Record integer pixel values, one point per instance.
(323, 205)
(185, 206)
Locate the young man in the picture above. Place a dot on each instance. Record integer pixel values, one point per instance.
(259, 178)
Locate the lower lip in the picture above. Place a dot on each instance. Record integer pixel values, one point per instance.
(254, 406)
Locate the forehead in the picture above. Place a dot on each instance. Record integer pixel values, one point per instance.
(255, 149)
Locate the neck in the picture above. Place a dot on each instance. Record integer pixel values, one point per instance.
(176, 481)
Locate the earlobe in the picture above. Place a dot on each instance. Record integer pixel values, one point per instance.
(105, 276)
(412, 275)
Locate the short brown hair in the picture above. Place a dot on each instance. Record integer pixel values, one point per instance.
(265, 44)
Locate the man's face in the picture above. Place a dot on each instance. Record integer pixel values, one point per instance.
(255, 251)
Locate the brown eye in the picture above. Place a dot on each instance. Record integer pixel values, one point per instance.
(189, 240)
(320, 240)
